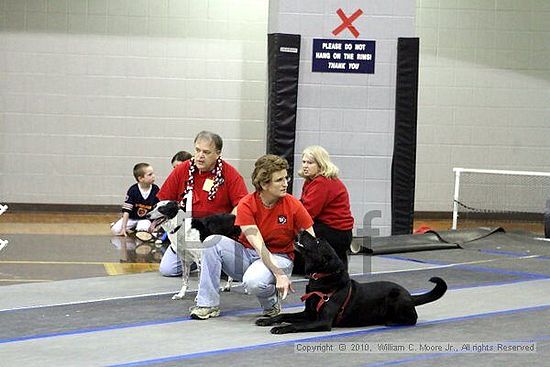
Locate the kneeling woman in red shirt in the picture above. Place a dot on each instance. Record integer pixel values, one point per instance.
(263, 258)
(327, 200)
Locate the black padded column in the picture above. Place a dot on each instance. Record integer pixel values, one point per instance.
(283, 66)
(404, 150)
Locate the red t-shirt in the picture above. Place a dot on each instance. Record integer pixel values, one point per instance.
(327, 201)
(227, 197)
(278, 225)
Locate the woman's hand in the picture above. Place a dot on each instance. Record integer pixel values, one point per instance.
(282, 281)
(283, 285)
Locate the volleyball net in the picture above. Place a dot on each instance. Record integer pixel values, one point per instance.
(499, 196)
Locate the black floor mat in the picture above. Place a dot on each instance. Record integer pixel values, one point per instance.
(431, 240)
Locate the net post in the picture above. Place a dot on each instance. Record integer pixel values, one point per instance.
(3, 243)
(455, 197)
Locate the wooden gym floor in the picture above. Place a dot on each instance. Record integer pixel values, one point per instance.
(45, 246)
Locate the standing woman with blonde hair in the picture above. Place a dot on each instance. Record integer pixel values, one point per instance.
(327, 200)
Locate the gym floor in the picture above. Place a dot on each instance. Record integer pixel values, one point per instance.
(61, 305)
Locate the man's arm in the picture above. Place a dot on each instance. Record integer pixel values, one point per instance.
(171, 188)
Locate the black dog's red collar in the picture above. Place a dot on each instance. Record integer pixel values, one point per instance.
(325, 297)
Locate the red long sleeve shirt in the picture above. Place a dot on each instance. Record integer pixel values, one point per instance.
(327, 201)
(227, 197)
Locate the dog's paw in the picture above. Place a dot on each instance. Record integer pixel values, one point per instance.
(226, 288)
(178, 296)
(265, 321)
(228, 284)
(285, 329)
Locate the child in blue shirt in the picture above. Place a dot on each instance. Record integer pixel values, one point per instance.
(140, 199)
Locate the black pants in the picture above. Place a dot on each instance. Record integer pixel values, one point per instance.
(339, 240)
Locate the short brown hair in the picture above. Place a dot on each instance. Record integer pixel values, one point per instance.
(210, 136)
(264, 168)
(181, 156)
(139, 170)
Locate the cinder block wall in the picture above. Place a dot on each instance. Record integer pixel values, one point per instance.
(351, 115)
(88, 88)
(484, 97)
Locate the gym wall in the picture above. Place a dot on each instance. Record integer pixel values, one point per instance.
(89, 88)
(484, 96)
(351, 115)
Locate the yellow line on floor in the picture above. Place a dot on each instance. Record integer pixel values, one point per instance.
(53, 262)
(25, 280)
(112, 268)
(129, 268)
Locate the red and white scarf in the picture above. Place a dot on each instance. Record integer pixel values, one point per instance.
(218, 180)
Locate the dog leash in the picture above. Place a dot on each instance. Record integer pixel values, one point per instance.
(341, 312)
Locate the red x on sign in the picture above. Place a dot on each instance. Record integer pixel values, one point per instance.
(346, 22)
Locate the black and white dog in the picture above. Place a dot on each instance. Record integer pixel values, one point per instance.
(333, 299)
(165, 214)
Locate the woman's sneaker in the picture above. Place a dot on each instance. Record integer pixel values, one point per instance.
(203, 313)
(274, 310)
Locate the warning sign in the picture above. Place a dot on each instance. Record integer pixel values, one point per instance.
(343, 56)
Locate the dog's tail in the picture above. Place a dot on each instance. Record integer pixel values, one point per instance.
(434, 294)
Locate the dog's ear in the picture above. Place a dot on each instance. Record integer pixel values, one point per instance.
(169, 209)
(160, 204)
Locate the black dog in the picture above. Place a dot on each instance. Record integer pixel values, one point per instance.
(333, 299)
(223, 224)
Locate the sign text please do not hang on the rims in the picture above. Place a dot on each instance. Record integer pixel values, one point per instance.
(343, 56)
